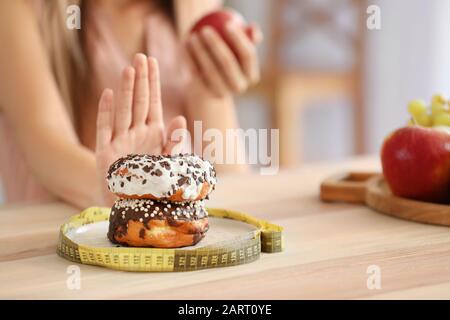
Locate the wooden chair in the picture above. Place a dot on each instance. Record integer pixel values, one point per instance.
(290, 90)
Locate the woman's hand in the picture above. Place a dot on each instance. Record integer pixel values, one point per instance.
(220, 70)
(132, 121)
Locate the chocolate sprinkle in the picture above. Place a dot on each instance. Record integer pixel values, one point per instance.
(165, 165)
(182, 181)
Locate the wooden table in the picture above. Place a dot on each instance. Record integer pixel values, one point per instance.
(329, 248)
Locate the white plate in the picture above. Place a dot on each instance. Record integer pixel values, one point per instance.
(94, 234)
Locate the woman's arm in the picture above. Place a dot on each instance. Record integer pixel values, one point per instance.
(218, 74)
(129, 120)
(30, 101)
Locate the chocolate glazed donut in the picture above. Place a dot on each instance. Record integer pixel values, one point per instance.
(148, 223)
(160, 200)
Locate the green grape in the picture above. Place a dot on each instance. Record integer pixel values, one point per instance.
(437, 108)
(423, 119)
(442, 119)
(437, 98)
(417, 108)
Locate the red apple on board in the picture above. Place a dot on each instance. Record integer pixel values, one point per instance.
(416, 163)
(218, 19)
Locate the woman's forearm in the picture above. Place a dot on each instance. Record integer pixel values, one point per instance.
(215, 113)
(68, 171)
(221, 69)
(33, 108)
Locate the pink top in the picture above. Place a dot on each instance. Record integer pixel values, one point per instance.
(19, 185)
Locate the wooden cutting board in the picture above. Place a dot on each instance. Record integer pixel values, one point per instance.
(372, 190)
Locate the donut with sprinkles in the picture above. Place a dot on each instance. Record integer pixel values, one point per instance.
(182, 177)
(160, 200)
(160, 224)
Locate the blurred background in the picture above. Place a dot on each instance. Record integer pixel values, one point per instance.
(335, 88)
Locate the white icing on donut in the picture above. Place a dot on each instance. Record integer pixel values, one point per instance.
(161, 176)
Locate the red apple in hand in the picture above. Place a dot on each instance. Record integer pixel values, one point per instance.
(218, 20)
(416, 163)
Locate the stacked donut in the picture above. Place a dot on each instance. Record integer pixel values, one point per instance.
(161, 200)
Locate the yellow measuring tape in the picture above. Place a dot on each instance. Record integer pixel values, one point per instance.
(239, 250)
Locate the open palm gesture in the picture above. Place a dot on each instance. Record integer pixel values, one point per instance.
(132, 120)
